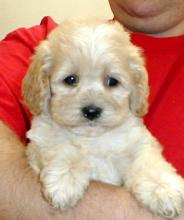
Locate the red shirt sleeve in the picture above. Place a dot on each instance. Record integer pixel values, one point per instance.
(15, 52)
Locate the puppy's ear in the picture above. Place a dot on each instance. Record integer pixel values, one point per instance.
(140, 89)
(35, 86)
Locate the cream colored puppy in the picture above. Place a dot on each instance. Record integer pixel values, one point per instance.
(87, 89)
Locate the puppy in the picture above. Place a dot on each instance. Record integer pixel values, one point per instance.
(87, 89)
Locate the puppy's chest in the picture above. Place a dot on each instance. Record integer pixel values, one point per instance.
(108, 158)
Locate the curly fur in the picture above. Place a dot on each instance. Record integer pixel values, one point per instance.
(66, 149)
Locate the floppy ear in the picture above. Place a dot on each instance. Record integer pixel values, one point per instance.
(35, 86)
(140, 89)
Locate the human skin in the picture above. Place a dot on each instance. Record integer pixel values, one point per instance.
(20, 197)
(159, 18)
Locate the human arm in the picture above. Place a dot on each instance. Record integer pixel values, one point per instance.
(20, 196)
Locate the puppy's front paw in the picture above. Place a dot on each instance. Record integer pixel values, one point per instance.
(63, 187)
(164, 198)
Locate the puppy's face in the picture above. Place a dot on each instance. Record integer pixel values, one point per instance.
(89, 92)
(89, 77)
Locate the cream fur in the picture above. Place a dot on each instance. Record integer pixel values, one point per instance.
(66, 149)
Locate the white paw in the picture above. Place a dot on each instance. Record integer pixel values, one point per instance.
(64, 187)
(164, 198)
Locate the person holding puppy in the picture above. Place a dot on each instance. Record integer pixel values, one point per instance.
(161, 35)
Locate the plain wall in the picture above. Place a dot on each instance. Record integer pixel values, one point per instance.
(24, 13)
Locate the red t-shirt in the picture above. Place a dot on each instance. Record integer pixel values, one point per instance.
(165, 64)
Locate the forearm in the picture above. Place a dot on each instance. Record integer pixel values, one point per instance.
(107, 202)
(21, 199)
(20, 196)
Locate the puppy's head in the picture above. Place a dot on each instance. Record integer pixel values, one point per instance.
(87, 75)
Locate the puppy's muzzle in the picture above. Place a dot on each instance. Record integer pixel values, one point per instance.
(91, 112)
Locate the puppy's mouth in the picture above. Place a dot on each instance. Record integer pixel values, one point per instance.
(92, 124)
(89, 130)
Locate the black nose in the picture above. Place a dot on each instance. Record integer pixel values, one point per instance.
(91, 112)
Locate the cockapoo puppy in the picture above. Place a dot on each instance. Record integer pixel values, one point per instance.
(87, 89)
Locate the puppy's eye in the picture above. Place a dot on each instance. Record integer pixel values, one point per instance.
(111, 82)
(71, 80)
